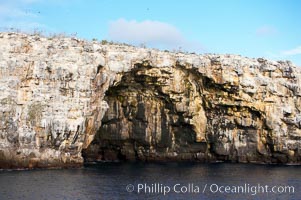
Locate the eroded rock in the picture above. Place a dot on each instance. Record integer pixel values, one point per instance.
(61, 97)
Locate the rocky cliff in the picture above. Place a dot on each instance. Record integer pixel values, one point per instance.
(64, 100)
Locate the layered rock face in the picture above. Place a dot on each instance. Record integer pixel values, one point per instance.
(64, 99)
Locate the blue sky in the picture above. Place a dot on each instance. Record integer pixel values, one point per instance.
(253, 28)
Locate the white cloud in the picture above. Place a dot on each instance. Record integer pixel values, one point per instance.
(154, 33)
(266, 31)
(292, 52)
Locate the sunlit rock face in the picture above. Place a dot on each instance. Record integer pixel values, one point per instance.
(65, 100)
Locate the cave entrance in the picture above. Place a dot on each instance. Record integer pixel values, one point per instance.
(146, 119)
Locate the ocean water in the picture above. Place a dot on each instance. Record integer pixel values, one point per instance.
(154, 181)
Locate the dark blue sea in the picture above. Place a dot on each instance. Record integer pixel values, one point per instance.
(154, 181)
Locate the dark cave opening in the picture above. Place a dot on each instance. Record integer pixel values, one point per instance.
(143, 121)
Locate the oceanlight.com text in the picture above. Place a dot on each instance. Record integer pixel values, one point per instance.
(193, 188)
